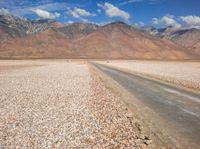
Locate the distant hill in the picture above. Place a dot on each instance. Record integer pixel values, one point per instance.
(14, 27)
(77, 30)
(188, 38)
(119, 40)
(21, 38)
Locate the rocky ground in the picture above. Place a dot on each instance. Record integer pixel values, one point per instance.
(60, 104)
(185, 74)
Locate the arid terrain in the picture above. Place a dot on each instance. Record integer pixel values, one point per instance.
(21, 38)
(91, 85)
(57, 103)
(99, 74)
(171, 106)
(70, 103)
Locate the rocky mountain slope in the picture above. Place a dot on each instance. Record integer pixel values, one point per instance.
(184, 35)
(46, 44)
(196, 48)
(120, 40)
(77, 30)
(166, 33)
(188, 38)
(14, 27)
(21, 38)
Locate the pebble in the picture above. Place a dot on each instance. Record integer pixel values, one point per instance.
(62, 105)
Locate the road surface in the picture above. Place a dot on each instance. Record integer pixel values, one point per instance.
(178, 106)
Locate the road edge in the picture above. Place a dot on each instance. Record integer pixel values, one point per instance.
(139, 111)
(156, 78)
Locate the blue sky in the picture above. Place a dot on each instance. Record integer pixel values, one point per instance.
(159, 13)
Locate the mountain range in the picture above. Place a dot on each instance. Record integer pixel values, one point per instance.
(188, 38)
(22, 38)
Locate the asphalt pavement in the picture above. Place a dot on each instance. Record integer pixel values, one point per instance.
(179, 106)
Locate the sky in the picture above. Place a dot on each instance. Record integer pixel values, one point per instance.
(158, 13)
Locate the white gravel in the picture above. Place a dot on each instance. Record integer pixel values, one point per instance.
(62, 105)
(185, 74)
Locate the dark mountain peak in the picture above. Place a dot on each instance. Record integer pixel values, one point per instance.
(11, 19)
(194, 30)
(17, 19)
(117, 24)
(41, 21)
(76, 30)
(148, 27)
(181, 32)
(14, 26)
(82, 25)
(170, 26)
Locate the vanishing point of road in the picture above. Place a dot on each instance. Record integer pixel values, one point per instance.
(178, 106)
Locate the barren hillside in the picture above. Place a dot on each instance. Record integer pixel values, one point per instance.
(46, 39)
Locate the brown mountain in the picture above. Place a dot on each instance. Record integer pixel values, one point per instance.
(17, 27)
(188, 38)
(47, 44)
(115, 40)
(119, 40)
(77, 30)
(196, 48)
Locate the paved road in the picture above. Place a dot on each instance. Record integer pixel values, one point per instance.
(178, 106)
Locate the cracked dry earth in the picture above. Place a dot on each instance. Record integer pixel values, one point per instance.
(63, 105)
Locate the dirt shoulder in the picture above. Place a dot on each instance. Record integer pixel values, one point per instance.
(145, 121)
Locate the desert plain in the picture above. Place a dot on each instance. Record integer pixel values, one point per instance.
(69, 104)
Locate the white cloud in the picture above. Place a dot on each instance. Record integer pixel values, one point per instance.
(167, 20)
(191, 21)
(139, 24)
(138, 1)
(25, 7)
(45, 14)
(78, 13)
(130, 1)
(4, 11)
(156, 21)
(99, 10)
(113, 11)
(70, 22)
(85, 20)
